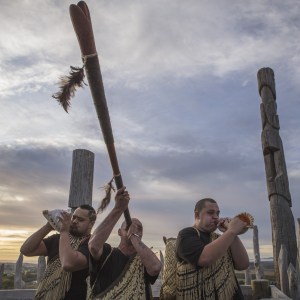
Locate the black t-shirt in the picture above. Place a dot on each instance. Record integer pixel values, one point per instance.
(111, 270)
(189, 246)
(78, 284)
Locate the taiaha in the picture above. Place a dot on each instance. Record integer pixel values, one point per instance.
(82, 25)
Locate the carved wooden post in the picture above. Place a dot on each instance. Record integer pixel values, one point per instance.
(1, 275)
(40, 268)
(283, 266)
(18, 273)
(258, 267)
(81, 187)
(293, 281)
(282, 220)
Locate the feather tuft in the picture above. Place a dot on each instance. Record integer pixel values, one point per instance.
(68, 86)
(106, 200)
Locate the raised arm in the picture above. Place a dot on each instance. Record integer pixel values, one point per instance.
(239, 255)
(102, 232)
(34, 245)
(71, 260)
(217, 248)
(148, 258)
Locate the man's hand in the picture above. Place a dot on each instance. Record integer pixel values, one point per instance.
(236, 225)
(65, 221)
(223, 224)
(135, 229)
(122, 199)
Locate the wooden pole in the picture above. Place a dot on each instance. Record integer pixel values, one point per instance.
(293, 282)
(81, 186)
(282, 220)
(260, 289)
(283, 266)
(257, 264)
(82, 25)
(41, 267)
(18, 273)
(1, 275)
(248, 276)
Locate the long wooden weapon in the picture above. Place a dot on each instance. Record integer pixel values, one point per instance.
(82, 25)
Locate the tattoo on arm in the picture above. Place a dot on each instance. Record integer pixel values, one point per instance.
(142, 245)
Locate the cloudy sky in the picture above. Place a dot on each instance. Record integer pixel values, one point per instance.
(181, 87)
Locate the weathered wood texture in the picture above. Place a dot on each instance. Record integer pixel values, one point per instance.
(248, 276)
(81, 187)
(258, 267)
(18, 273)
(162, 260)
(282, 220)
(260, 288)
(283, 266)
(293, 282)
(41, 267)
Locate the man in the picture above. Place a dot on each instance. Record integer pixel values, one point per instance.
(67, 266)
(127, 271)
(206, 260)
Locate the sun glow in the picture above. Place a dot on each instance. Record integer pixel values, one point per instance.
(10, 243)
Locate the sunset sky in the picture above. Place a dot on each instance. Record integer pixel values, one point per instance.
(181, 87)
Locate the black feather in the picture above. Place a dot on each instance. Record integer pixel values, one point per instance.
(68, 86)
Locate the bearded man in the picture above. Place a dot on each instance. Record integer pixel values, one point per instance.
(67, 265)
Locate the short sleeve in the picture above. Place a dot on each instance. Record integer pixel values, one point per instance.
(189, 246)
(95, 265)
(52, 245)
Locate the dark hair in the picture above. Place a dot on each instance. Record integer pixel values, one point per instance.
(201, 203)
(92, 212)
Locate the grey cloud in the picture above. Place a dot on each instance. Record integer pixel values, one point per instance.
(181, 88)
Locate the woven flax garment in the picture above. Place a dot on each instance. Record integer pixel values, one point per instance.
(129, 286)
(56, 282)
(208, 282)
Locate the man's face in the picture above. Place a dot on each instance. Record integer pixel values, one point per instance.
(135, 223)
(207, 219)
(80, 222)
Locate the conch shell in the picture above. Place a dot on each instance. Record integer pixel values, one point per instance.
(53, 217)
(245, 217)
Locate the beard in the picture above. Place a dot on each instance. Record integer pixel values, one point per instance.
(74, 231)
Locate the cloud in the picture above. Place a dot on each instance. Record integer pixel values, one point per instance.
(180, 83)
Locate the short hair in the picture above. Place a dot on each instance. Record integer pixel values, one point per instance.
(201, 203)
(92, 213)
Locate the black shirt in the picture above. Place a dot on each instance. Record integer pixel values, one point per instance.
(111, 270)
(78, 284)
(189, 246)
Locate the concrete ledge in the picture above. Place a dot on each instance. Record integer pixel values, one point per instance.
(17, 294)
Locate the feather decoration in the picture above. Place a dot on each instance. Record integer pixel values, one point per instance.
(68, 86)
(105, 201)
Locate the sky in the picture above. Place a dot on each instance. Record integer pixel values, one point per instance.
(180, 79)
